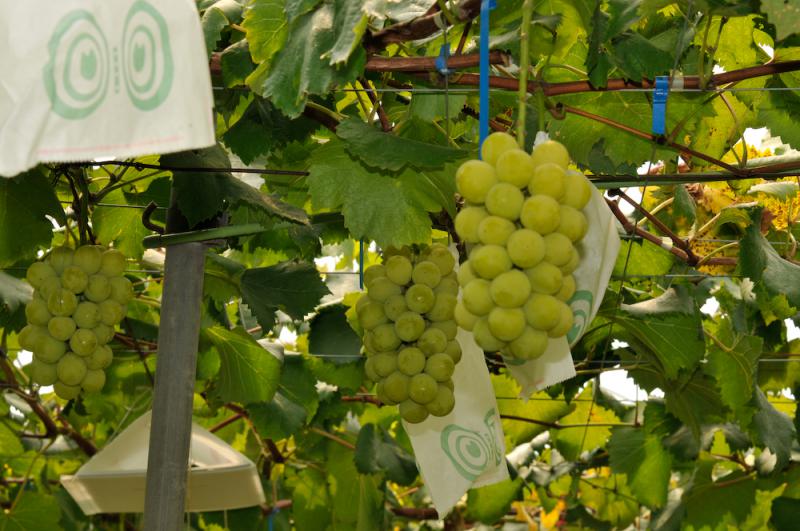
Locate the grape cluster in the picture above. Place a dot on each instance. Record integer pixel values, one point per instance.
(410, 335)
(79, 296)
(522, 216)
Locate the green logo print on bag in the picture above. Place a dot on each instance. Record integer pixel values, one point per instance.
(82, 65)
(581, 304)
(472, 452)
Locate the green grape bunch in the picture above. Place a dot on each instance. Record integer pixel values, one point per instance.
(522, 218)
(79, 297)
(407, 315)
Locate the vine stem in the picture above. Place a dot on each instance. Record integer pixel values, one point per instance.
(524, 66)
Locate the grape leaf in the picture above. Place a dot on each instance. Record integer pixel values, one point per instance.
(25, 201)
(645, 259)
(14, 295)
(490, 503)
(784, 14)
(376, 452)
(10, 445)
(350, 24)
(32, 511)
(610, 499)
(582, 437)
(332, 336)
(266, 26)
(641, 59)
(371, 499)
(299, 384)
(277, 419)
(295, 288)
(785, 512)
(390, 152)
(248, 373)
(298, 69)
(122, 226)
(667, 328)
(310, 499)
(295, 8)
(236, 63)
(642, 458)
(213, 22)
(772, 429)
(776, 113)
(759, 261)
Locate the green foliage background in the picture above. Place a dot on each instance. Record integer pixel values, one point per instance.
(715, 449)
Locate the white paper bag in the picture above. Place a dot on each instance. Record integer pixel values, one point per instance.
(598, 250)
(466, 448)
(89, 79)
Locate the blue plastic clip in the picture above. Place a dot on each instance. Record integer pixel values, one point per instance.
(483, 123)
(660, 105)
(441, 61)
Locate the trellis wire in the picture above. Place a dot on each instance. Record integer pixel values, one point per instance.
(469, 90)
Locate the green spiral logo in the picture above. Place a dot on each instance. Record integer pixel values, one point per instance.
(581, 304)
(76, 77)
(467, 450)
(147, 63)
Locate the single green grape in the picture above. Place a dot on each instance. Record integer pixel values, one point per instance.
(545, 278)
(111, 312)
(453, 350)
(510, 289)
(71, 369)
(61, 328)
(542, 311)
(43, 373)
(440, 367)
(412, 412)
(371, 315)
(464, 318)
(494, 230)
(541, 213)
(94, 381)
(420, 298)
(489, 261)
(565, 322)
(67, 392)
(60, 258)
(432, 341)
(373, 272)
(100, 358)
(87, 315)
(112, 263)
(525, 248)
(396, 386)
(37, 272)
(572, 265)
(411, 361)
(98, 288)
(550, 151)
(474, 178)
(74, 279)
(384, 338)
(450, 328)
(548, 179)
(495, 145)
(50, 349)
(382, 288)
(31, 336)
(505, 200)
(49, 286)
(467, 221)
(369, 369)
(36, 312)
(449, 384)
(443, 403)
(441, 256)
(380, 390)
(465, 274)
(515, 166)
(477, 297)
(104, 333)
(83, 342)
(443, 308)
(394, 306)
(578, 190)
(422, 388)
(573, 224)
(506, 324)
(448, 285)
(531, 344)
(121, 290)
(398, 269)
(427, 273)
(484, 338)
(89, 258)
(409, 326)
(567, 288)
(384, 363)
(557, 249)
(62, 303)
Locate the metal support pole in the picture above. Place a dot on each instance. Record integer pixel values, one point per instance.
(171, 426)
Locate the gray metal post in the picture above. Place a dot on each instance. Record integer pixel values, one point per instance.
(171, 428)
